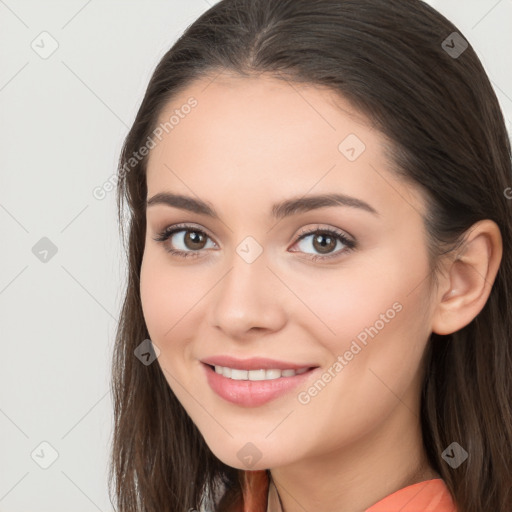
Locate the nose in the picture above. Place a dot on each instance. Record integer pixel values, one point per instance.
(249, 298)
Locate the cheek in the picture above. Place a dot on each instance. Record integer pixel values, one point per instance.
(163, 294)
(370, 295)
(375, 317)
(152, 284)
(163, 299)
(172, 298)
(346, 304)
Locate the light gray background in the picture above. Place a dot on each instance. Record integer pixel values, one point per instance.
(63, 121)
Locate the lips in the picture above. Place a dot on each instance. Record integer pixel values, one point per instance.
(255, 363)
(249, 393)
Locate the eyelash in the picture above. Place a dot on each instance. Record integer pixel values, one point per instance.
(338, 235)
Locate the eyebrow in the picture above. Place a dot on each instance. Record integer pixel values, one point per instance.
(279, 210)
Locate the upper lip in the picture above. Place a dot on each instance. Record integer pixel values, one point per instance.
(254, 363)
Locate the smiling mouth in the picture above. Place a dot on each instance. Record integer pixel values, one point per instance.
(257, 375)
(255, 387)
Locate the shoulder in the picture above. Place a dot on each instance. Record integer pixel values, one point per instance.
(428, 496)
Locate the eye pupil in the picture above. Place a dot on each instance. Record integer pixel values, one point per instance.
(324, 248)
(194, 237)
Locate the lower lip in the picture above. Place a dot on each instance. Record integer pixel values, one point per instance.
(251, 393)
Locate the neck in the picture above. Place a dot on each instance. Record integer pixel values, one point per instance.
(356, 477)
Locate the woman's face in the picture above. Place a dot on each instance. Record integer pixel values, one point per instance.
(249, 286)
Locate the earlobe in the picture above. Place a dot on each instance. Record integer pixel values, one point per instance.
(469, 278)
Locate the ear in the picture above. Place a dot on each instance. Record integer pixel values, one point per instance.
(467, 281)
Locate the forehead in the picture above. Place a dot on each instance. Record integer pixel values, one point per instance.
(267, 135)
(245, 114)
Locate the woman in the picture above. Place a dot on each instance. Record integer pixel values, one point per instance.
(319, 257)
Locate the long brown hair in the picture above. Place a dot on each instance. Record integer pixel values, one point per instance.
(397, 62)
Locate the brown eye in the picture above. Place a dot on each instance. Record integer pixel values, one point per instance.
(194, 240)
(324, 243)
(184, 241)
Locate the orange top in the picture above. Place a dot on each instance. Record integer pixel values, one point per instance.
(428, 496)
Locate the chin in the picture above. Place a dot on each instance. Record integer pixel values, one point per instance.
(248, 456)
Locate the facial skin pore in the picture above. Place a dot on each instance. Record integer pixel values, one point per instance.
(253, 142)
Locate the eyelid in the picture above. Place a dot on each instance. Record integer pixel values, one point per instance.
(349, 242)
(346, 238)
(183, 226)
(302, 231)
(326, 228)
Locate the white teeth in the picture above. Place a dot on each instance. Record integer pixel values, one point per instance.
(235, 374)
(256, 374)
(239, 374)
(273, 374)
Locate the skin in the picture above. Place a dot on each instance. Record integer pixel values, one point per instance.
(249, 143)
